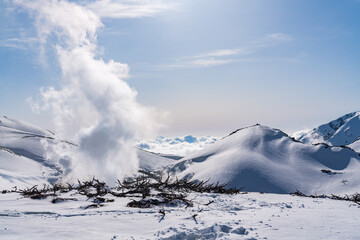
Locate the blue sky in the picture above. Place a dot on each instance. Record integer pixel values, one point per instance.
(214, 66)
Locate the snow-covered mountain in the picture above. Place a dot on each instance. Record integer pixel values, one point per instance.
(257, 158)
(26, 156)
(342, 131)
(263, 159)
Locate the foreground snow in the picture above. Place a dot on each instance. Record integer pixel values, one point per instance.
(243, 216)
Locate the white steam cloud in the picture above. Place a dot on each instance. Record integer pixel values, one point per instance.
(94, 104)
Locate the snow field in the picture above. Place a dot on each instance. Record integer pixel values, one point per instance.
(243, 216)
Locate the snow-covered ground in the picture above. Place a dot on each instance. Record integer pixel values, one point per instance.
(244, 216)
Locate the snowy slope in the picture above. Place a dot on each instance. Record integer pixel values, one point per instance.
(263, 159)
(29, 141)
(341, 131)
(23, 156)
(27, 157)
(355, 145)
(23, 127)
(150, 161)
(16, 170)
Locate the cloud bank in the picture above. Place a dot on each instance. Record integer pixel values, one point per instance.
(94, 105)
(179, 146)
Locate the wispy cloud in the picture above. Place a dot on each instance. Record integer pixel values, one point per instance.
(127, 8)
(278, 37)
(201, 62)
(224, 53)
(226, 56)
(211, 62)
(19, 43)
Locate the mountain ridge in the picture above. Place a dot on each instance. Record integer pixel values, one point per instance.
(341, 131)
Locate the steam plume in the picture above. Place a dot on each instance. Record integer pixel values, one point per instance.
(94, 104)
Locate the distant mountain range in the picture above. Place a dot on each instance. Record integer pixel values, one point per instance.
(256, 158)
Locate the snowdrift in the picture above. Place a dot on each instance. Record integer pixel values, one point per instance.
(263, 159)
